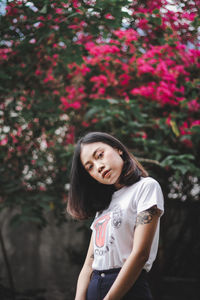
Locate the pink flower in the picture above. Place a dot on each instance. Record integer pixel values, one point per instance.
(103, 50)
(85, 124)
(193, 105)
(4, 141)
(76, 105)
(102, 79)
(42, 188)
(4, 52)
(48, 78)
(101, 91)
(70, 135)
(22, 98)
(109, 16)
(168, 120)
(144, 136)
(73, 26)
(55, 92)
(189, 16)
(19, 131)
(76, 3)
(143, 24)
(129, 35)
(64, 101)
(184, 129)
(11, 11)
(55, 56)
(188, 143)
(14, 138)
(58, 11)
(84, 70)
(145, 90)
(38, 72)
(145, 68)
(195, 123)
(124, 79)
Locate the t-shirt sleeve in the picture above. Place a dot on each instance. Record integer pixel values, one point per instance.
(92, 225)
(150, 195)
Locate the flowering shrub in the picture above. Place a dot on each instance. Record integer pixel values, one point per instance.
(126, 67)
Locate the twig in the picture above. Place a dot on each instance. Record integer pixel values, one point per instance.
(150, 161)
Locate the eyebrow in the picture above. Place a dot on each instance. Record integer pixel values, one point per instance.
(93, 155)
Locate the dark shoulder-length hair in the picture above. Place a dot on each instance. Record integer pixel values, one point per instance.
(86, 195)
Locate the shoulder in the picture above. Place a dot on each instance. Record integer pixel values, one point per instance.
(149, 182)
(150, 194)
(149, 185)
(146, 183)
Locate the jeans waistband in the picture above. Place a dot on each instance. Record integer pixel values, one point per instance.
(112, 271)
(109, 271)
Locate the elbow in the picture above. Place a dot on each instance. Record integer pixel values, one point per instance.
(145, 258)
(142, 256)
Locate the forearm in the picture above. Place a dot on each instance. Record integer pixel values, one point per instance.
(126, 277)
(146, 225)
(83, 282)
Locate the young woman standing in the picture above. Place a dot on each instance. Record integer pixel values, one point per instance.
(109, 183)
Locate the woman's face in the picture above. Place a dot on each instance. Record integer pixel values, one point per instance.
(102, 162)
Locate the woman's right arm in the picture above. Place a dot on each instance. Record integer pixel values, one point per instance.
(85, 274)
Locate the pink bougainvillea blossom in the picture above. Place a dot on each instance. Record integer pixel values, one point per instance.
(147, 90)
(4, 141)
(4, 53)
(184, 129)
(70, 138)
(193, 105)
(187, 142)
(66, 104)
(109, 17)
(129, 35)
(124, 79)
(195, 123)
(99, 50)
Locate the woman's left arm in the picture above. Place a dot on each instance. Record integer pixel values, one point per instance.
(146, 225)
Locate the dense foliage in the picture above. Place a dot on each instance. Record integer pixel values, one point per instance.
(68, 67)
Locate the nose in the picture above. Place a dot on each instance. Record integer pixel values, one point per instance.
(100, 169)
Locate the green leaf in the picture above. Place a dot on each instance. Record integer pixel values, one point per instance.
(175, 128)
(91, 112)
(3, 75)
(156, 11)
(157, 21)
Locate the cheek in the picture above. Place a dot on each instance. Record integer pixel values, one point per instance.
(116, 161)
(121, 164)
(95, 175)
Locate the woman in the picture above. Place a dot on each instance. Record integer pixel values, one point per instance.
(109, 183)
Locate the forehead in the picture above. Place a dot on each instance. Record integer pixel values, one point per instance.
(87, 150)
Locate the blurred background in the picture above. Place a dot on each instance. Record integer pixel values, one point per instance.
(129, 68)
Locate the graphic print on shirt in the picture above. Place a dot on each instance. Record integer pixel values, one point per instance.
(117, 217)
(100, 226)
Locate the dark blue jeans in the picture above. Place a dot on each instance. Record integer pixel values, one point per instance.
(101, 281)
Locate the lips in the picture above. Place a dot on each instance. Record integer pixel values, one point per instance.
(104, 174)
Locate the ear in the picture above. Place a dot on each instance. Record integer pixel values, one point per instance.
(120, 152)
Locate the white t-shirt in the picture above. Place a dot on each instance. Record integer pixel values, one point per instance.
(114, 228)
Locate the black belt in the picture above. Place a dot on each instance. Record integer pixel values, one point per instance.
(109, 271)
